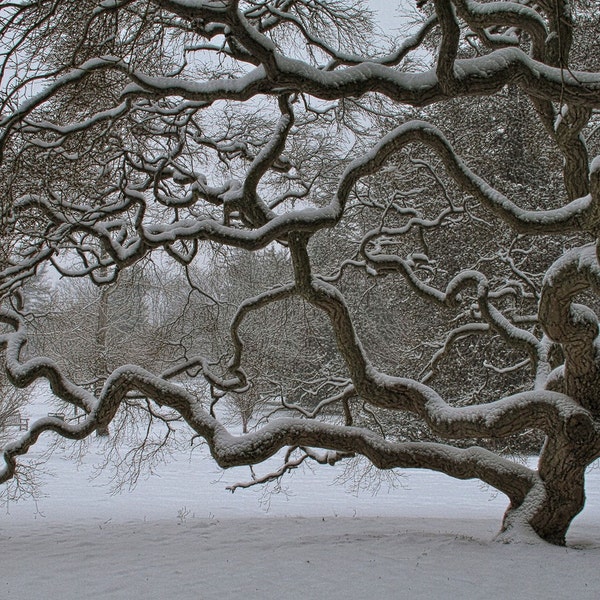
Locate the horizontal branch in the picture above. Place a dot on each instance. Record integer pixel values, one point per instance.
(228, 450)
(474, 76)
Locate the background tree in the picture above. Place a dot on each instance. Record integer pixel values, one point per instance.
(173, 132)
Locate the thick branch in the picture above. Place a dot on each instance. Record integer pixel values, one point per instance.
(551, 412)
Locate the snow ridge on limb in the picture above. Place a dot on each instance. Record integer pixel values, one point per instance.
(482, 16)
(575, 326)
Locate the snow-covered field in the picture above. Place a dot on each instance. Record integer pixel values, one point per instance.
(181, 535)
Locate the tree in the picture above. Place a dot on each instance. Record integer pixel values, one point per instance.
(171, 130)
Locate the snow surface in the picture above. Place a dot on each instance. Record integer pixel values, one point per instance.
(180, 534)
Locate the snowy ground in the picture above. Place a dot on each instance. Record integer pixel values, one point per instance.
(181, 535)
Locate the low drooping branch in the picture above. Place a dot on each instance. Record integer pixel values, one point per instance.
(510, 478)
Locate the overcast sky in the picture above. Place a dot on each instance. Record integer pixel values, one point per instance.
(388, 13)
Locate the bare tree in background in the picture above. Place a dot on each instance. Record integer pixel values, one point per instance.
(172, 130)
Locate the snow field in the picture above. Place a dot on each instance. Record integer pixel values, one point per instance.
(180, 534)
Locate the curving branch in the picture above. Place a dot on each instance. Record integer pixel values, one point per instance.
(541, 409)
(484, 17)
(575, 326)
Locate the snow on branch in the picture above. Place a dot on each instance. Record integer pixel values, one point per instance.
(548, 411)
(255, 447)
(472, 76)
(574, 216)
(147, 136)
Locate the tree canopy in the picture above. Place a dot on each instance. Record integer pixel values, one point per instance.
(392, 238)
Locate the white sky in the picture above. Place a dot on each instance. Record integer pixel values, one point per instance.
(388, 13)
